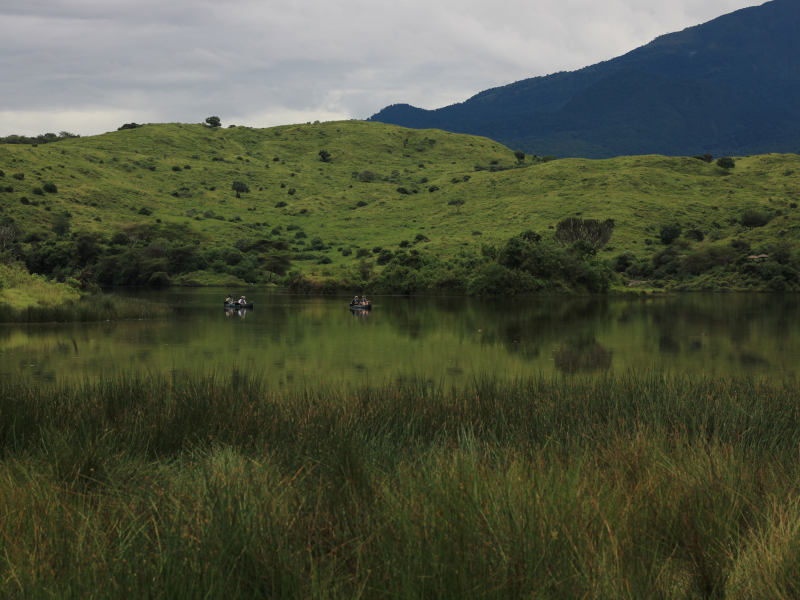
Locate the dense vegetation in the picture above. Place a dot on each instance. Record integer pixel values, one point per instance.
(728, 86)
(353, 205)
(635, 487)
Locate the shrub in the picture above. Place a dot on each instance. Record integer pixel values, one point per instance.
(360, 203)
(384, 257)
(755, 217)
(669, 232)
(597, 233)
(213, 121)
(362, 252)
(726, 162)
(366, 176)
(240, 187)
(346, 251)
(128, 126)
(291, 191)
(404, 244)
(159, 279)
(324, 156)
(50, 187)
(433, 188)
(176, 167)
(19, 176)
(695, 234)
(280, 204)
(145, 211)
(38, 191)
(402, 190)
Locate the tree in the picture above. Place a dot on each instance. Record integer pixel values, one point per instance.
(213, 121)
(324, 156)
(61, 223)
(458, 203)
(520, 156)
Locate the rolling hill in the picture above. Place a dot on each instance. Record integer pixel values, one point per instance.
(156, 205)
(727, 87)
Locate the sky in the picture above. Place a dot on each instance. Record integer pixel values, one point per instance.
(88, 66)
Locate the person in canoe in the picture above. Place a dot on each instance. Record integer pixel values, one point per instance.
(242, 301)
(355, 301)
(229, 300)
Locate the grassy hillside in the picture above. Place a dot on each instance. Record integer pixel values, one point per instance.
(167, 191)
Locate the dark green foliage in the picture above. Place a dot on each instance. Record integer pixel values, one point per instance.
(594, 232)
(176, 168)
(695, 234)
(705, 157)
(669, 232)
(128, 126)
(145, 211)
(360, 203)
(19, 176)
(38, 191)
(755, 217)
(44, 138)
(346, 251)
(159, 279)
(367, 176)
(384, 257)
(213, 121)
(362, 252)
(61, 223)
(457, 202)
(325, 156)
(50, 187)
(519, 155)
(280, 204)
(433, 188)
(726, 162)
(240, 187)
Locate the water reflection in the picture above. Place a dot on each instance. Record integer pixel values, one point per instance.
(299, 341)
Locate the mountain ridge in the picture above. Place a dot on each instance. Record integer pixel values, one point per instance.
(726, 86)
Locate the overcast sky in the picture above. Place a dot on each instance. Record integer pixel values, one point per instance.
(88, 66)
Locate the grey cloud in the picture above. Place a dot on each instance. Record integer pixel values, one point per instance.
(261, 61)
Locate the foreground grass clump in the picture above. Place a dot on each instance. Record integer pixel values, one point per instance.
(633, 487)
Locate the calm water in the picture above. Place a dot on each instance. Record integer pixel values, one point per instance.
(296, 341)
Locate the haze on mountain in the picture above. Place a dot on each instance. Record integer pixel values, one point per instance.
(730, 86)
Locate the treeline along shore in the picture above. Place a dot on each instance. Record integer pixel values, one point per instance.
(638, 485)
(345, 206)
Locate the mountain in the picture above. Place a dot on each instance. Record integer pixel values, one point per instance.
(728, 87)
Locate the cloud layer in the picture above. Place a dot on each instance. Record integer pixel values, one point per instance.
(87, 66)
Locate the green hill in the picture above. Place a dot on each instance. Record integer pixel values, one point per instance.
(397, 209)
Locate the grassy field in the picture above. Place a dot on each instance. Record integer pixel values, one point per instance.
(30, 298)
(383, 187)
(642, 486)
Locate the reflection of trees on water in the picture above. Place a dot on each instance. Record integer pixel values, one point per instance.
(523, 326)
(582, 355)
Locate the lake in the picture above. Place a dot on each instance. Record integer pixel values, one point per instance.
(299, 341)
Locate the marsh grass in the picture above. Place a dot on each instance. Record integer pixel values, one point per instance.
(638, 486)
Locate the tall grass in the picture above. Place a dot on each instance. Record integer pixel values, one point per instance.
(639, 486)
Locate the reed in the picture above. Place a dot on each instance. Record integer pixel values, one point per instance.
(636, 486)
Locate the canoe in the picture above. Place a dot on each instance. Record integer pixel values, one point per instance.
(367, 306)
(236, 306)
